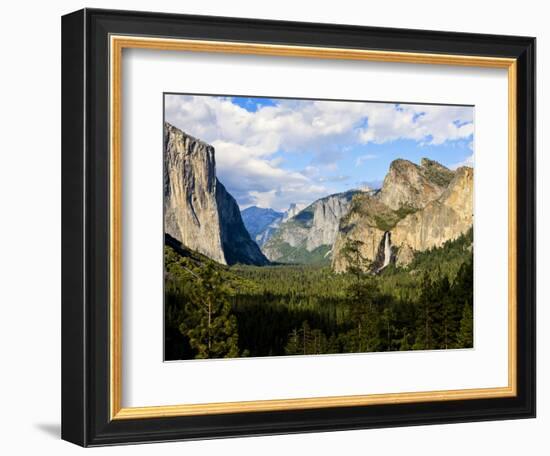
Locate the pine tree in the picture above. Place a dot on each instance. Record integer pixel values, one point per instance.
(208, 323)
(306, 341)
(462, 298)
(389, 328)
(466, 334)
(441, 309)
(362, 294)
(293, 345)
(463, 286)
(356, 263)
(425, 338)
(404, 344)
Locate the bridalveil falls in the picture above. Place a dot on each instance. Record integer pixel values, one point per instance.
(387, 249)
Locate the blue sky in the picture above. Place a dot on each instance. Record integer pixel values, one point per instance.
(273, 152)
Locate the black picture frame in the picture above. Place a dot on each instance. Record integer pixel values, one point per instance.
(85, 228)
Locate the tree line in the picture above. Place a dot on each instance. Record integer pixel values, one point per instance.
(212, 311)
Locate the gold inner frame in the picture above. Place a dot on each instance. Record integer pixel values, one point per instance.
(117, 44)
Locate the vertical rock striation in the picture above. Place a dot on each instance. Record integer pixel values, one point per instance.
(310, 233)
(419, 206)
(198, 211)
(408, 185)
(442, 219)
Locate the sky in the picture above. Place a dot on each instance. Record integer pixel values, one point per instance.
(272, 152)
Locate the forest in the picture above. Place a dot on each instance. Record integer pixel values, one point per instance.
(216, 311)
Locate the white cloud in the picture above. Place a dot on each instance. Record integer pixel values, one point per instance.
(281, 198)
(338, 178)
(468, 161)
(431, 125)
(292, 125)
(249, 144)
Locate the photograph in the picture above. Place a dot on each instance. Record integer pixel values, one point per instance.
(285, 223)
(316, 227)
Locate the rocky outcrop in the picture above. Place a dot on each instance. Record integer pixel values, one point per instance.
(366, 222)
(312, 228)
(413, 186)
(404, 256)
(441, 220)
(190, 206)
(419, 206)
(198, 210)
(237, 245)
(327, 213)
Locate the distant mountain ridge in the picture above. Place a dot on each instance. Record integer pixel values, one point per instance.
(261, 222)
(308, 236)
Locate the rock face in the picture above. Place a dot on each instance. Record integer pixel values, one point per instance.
(413, 186)
(198, 210)
(366, 222)
(405, 254)
(310, 234)
(445, 218)
(418, 207)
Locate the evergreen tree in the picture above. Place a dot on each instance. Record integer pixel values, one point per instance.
(425, 338)
(394, 310)
(362, 294)
(208, 322)
(404, 344)
(463, 286)
(389, 328)
(442, 322)
(293, 344)
(333, 346)
(318, 343)
(466, 334)
(356, 263)
(306, 341)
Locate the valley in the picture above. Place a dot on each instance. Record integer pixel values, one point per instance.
(381, 269)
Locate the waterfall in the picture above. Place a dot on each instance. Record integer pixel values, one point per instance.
(387, 249)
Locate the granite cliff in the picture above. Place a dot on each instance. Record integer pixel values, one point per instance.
(419, 207)
(198, 210)
(413, 186)
(308, 235)
(440, 220)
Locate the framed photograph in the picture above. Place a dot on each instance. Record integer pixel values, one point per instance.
(277, 227)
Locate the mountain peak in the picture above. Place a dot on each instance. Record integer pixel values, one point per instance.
(261, 222)
(412, 186)
(427, 163)
(402, 164)
(436, 172)
(260, 210)
(171, 130)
